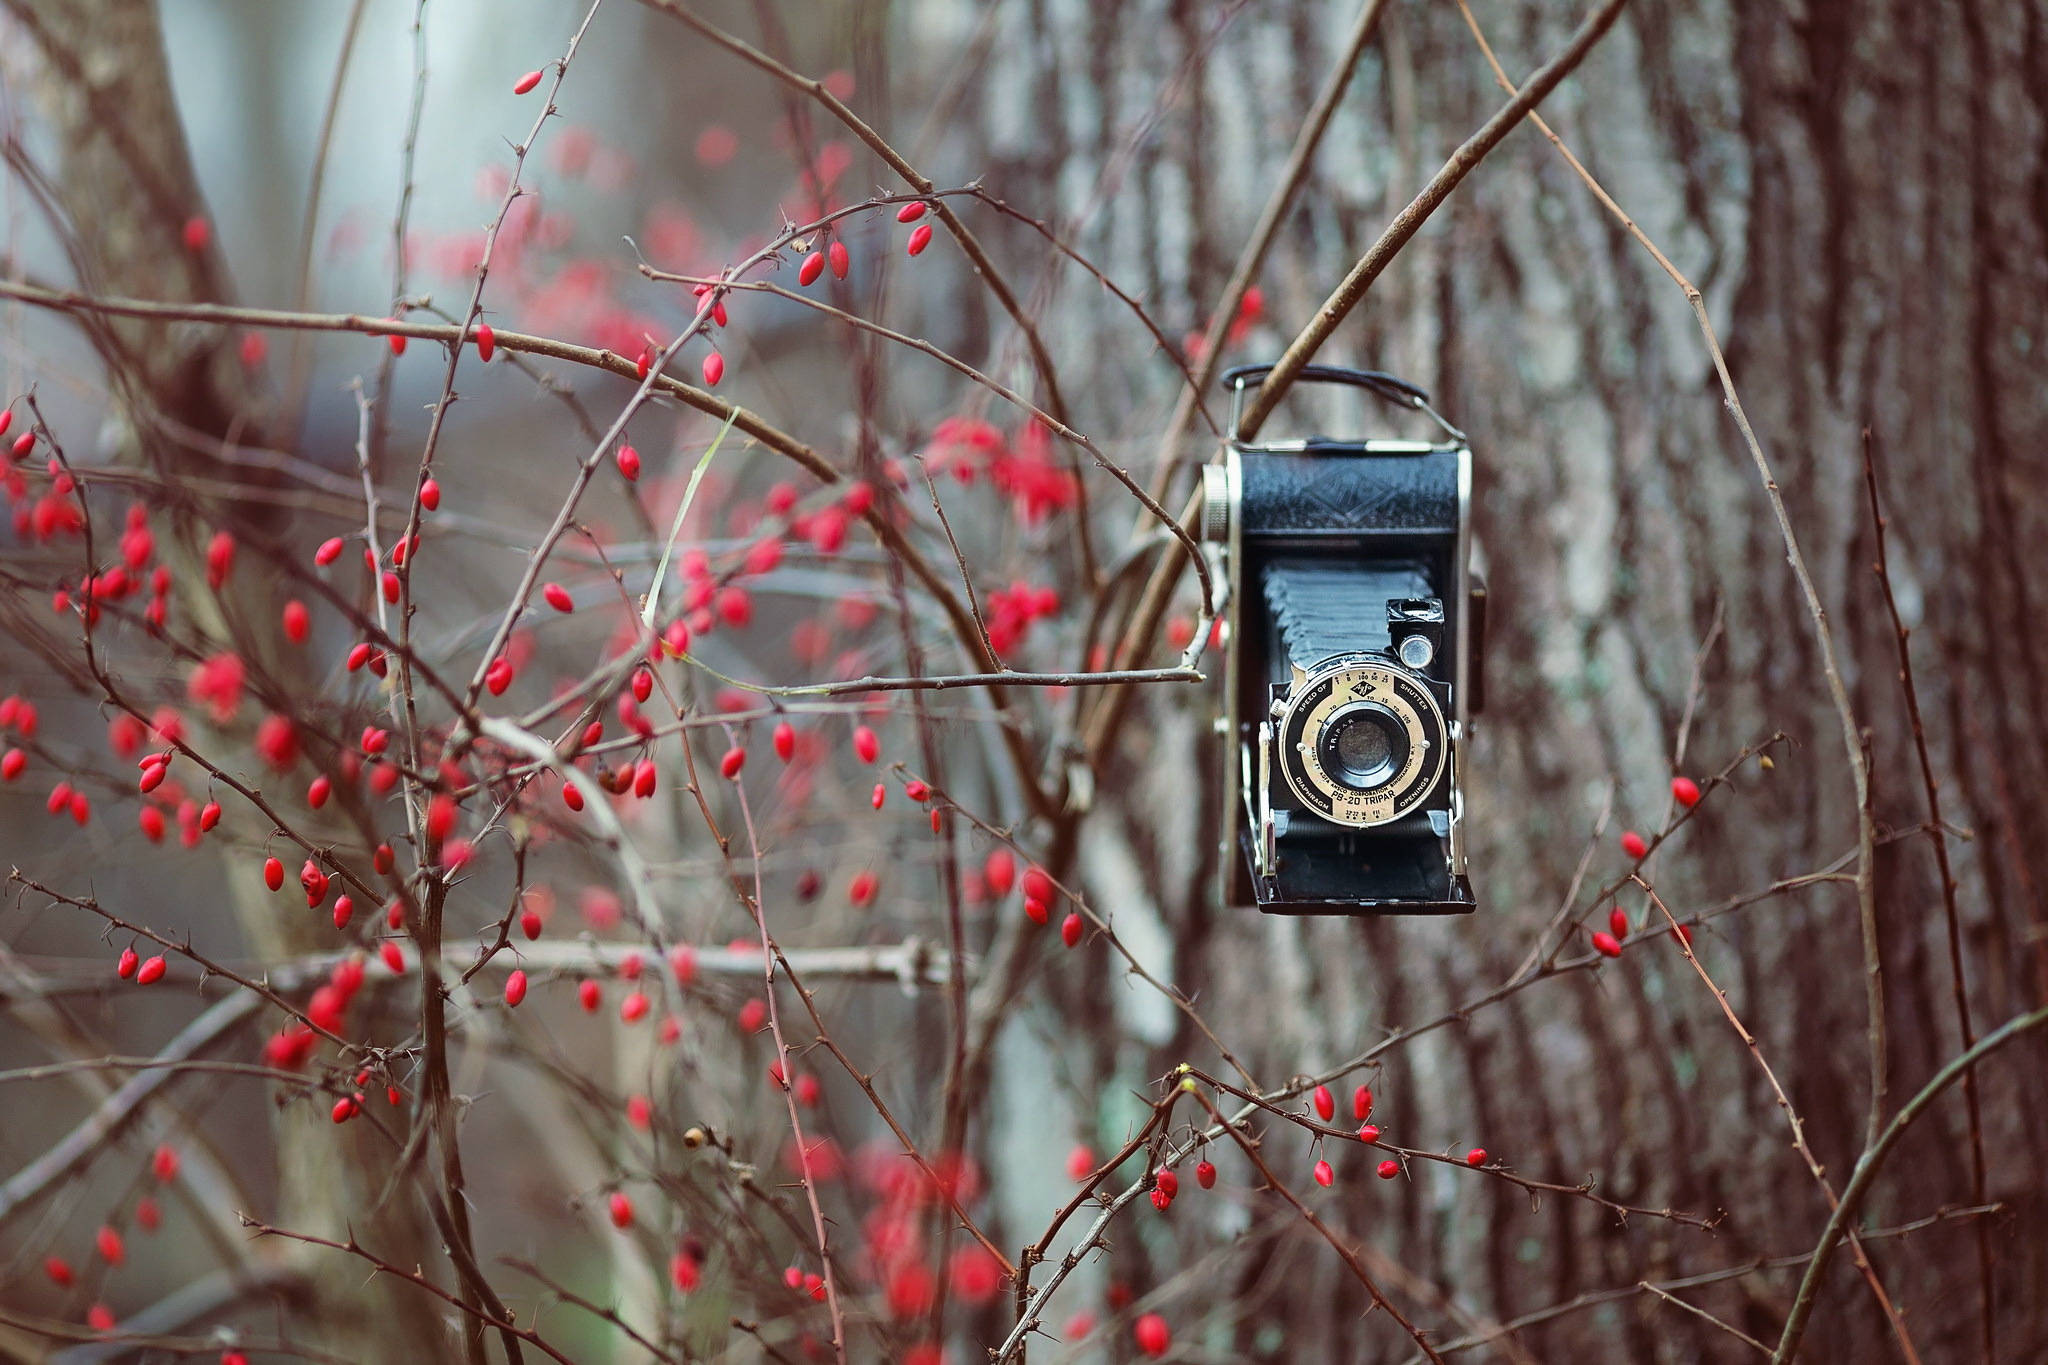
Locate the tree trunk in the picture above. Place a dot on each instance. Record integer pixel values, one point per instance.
(126, 189)
(1857, 191)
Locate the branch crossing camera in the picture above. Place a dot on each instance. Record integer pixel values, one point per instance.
(1351, 663)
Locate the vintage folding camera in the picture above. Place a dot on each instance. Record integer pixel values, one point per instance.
(1351, 662)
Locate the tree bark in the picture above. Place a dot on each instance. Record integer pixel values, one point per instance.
(1856, 189)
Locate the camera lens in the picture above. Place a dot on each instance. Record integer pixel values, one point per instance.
(1362, 747)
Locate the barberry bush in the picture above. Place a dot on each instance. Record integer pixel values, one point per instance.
(606, 749)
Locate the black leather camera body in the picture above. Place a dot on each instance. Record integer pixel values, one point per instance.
(1351, 662)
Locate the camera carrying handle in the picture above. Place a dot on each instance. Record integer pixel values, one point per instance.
(1392, 388)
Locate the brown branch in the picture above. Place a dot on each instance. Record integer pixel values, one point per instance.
(1867, 1167)
(1986, 1281)
(384, 1267)
(1798, 1125)
(1409, 221)
(969, 244)
(1252, 257)
(1595, 1298)
(1350, 1258)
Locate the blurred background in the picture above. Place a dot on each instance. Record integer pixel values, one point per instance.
(1855, 188)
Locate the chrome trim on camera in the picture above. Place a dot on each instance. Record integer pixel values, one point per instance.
(1461, 701)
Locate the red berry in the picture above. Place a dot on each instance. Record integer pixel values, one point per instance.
(220, 557)
(196, 233)
(920, 239)
(644, 777)
(861, 890)
(1168, 1182)
(911, 211)
(1070, 930)
(526, 83)
(12, 764)
(813, 266)
(163, 1164)
(1161, 1200)
(396, 341)
(298, 622)
(1000, 872)
(1152, 1335)
(881, 794)
(59, 1271)
(486, 342)
(329, 551)
(571, 796)
(1632, 844)
(441, 814)
(125, 968)
(530, 924)
(1361, 1102)
(621, 1209)
(430, 497)
(1034, 908)
(1684, 933)
(1325, 1176)
(589, 995)
(107, 1241)
(1326, 1103)
(865, 745)
(714, 369)
(785, 741)
(645, 363)
(393, 955)
(1617, 922)
(1389, 1168)
(634, 1007)
(151, 971)
(1476, 1157)
(837, 255)
(735, 759)
(1606, 943)
(1205, 1175)
(344, 911)
(1686, 790)
(629, 463)
(558, 597)
(318, 791)
(515, 987)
